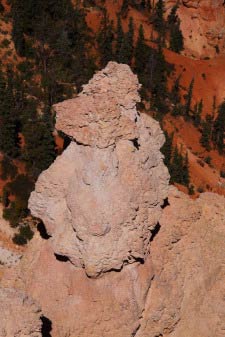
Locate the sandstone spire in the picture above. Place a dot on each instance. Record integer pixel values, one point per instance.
(101, 198)
(100, 202)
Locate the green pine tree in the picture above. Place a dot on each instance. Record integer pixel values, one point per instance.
(125, 8)
(218, 133)
(187, 108)
(130, 41)
(175, 33)
(185, 171)
(126, 51)
(2, 8)
(176, 98)
(8, 121)
(206, 132)
(167, 148)
(105, 40)
(159, 22)
(176, 167)
(197, 113)
(140, 51)
(39, 150)
(159, 85)
(175, 92)
(120, 41)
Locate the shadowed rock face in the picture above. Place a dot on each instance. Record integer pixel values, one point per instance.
(101, 198)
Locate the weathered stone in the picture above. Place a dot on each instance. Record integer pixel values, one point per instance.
(19, 315)
(178, 291)
(188, 291)
(100, 201)
(101, 198)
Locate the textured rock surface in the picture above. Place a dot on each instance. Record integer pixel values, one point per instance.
(101, 198)
(79, 306)
(19, 315)
(203, 26)
(100, 201)
(187, 296)
(8, 257)
(4, 225)
(178, 291)
(105, 112)
(9, 253)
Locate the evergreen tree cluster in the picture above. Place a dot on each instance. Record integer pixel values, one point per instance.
(153, 72)
(19, 116)
(185, 109)
(54, 39)
(55, 35)
(114, 43)
(213, 130)
(167, 28)
(147, 62)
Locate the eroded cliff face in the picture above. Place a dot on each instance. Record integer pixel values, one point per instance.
(120, 259)
(203, 26)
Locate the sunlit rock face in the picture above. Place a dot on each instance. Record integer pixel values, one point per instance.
(202, 24)
(101, 198)
(100, 203)
(19, 314)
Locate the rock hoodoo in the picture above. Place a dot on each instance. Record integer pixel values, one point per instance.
(100, 202)
(101, 198)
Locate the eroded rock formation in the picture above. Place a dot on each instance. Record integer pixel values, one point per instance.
(101, 198)
(101, 202)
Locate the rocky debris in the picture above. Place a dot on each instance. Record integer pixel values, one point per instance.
(101, 198)
(202, 24)
(19, 315)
